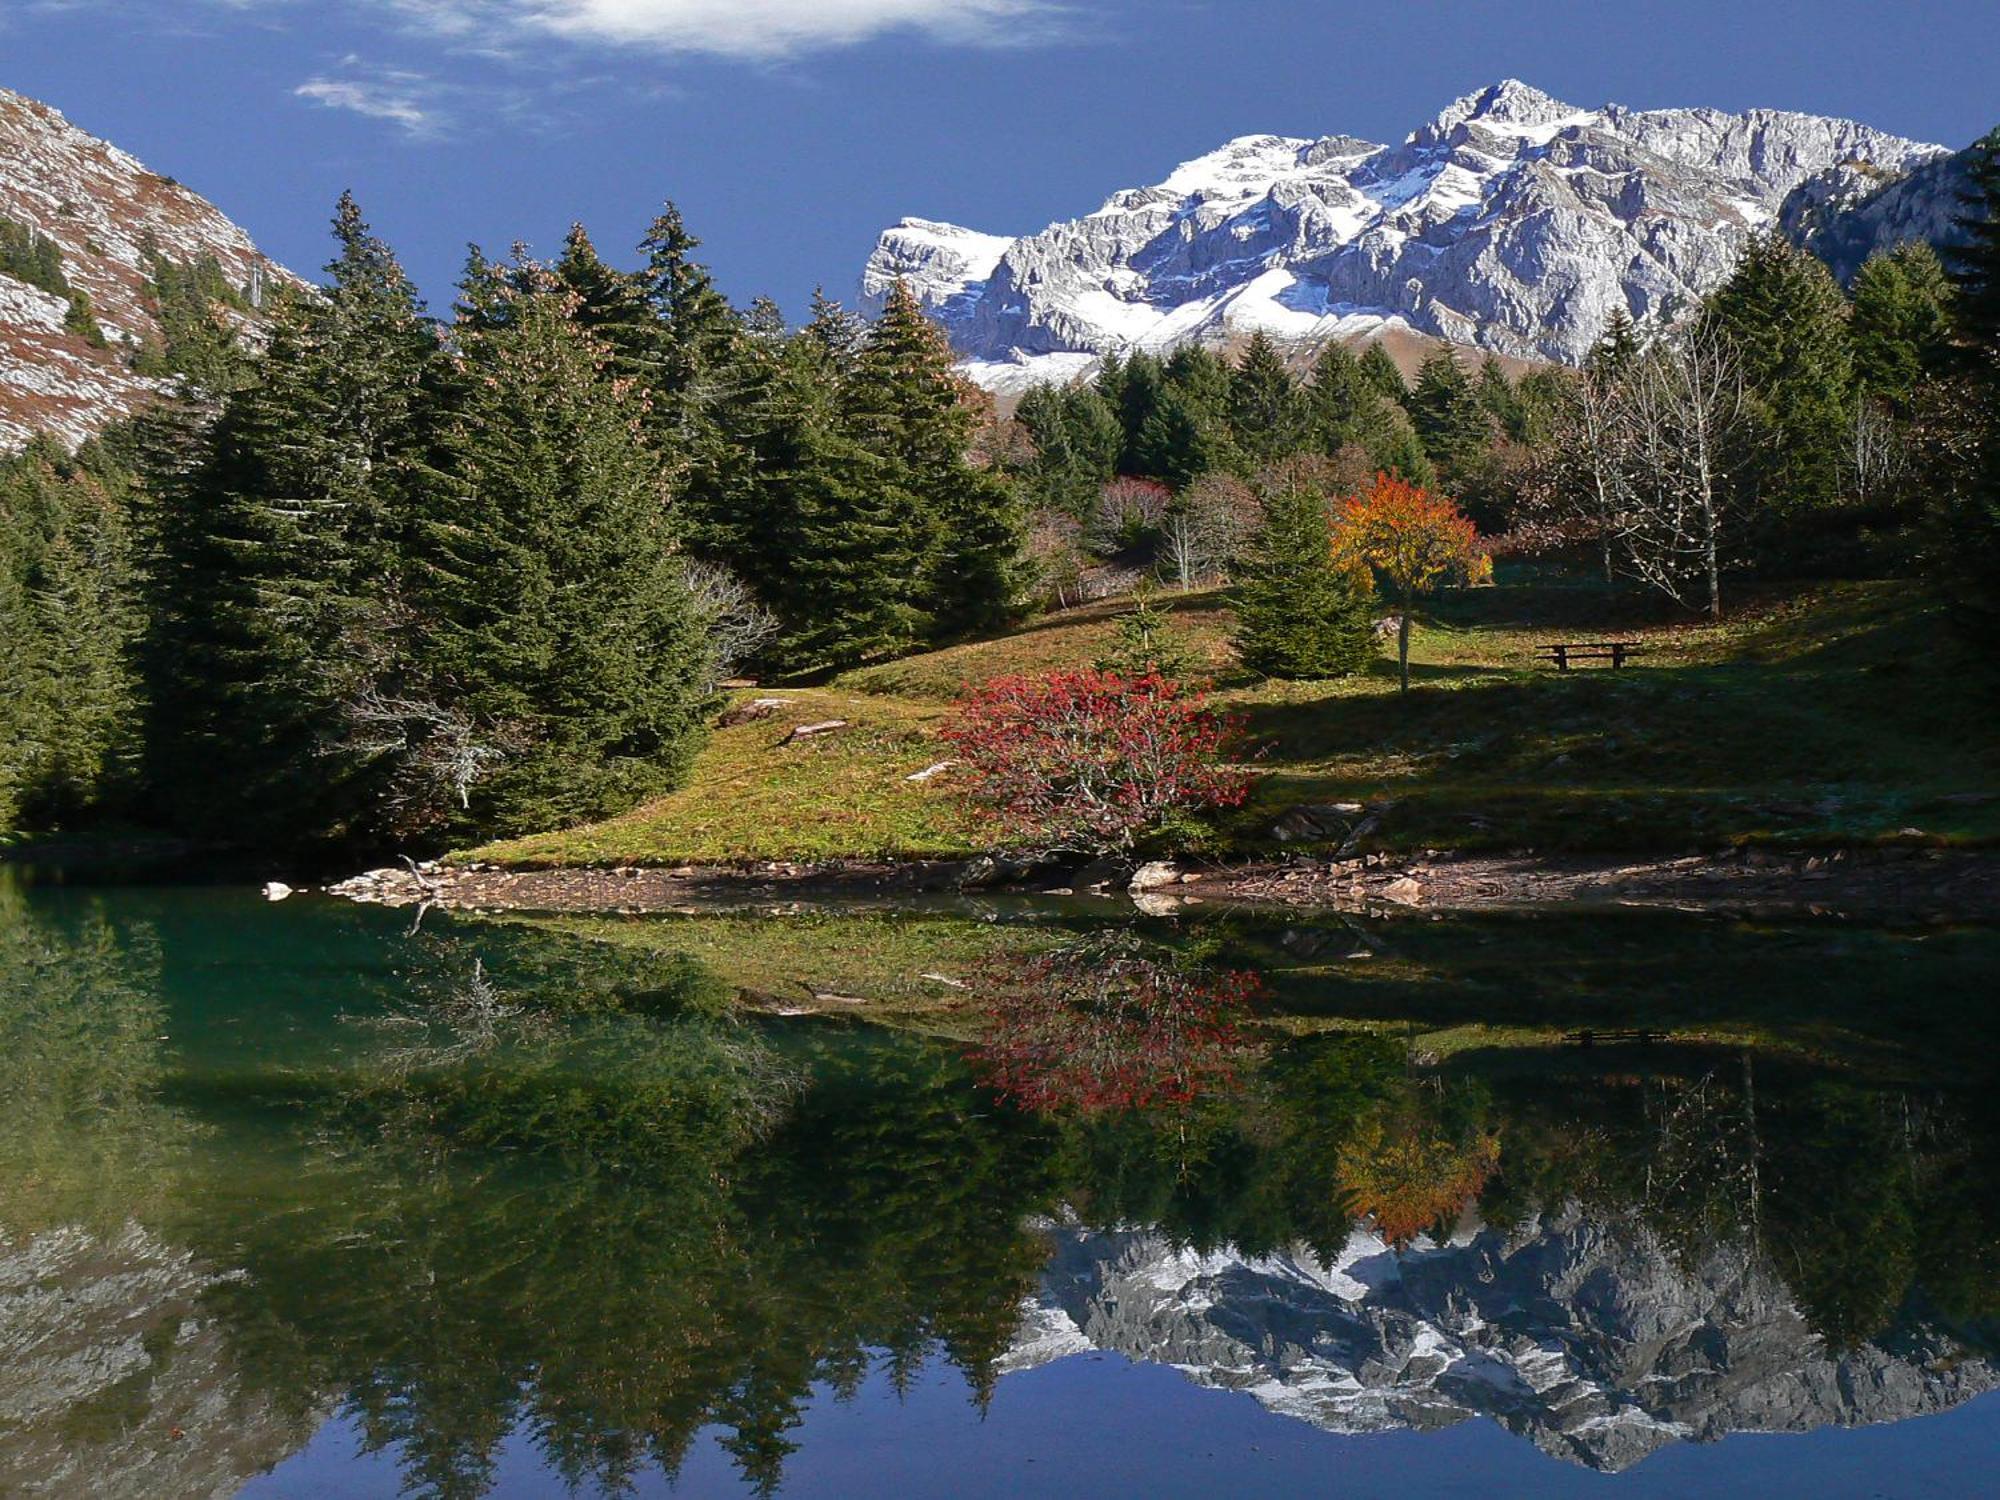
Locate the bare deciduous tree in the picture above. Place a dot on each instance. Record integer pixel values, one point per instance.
(1687, 430)
(738, 626)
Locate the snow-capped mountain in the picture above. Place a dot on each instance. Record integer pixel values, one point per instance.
(1512, 221)
(1590, 1340)
(104, 211)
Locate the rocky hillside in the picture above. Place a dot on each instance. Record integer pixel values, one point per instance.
(1847, 213)
(1511, 221)
(1589, 1340)
(78, 214)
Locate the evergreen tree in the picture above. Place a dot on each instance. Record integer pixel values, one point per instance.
(1968, 505)
(68, 619)
(1268, 413)
(1202, 384)
(1902, 322)
(699, 330)
(1348, 410)
(1450, 420)
(1077, 439)
(563, 666)
(855, 582)
(831, 537)
(1617, 346)
(1975, 264)
(1299, 613)
(1382, 373)
(908, 406)
(1174, 445)
(1499, 399)
(1135, 388)
(613, 307)
(1785, 314)
(275, 590)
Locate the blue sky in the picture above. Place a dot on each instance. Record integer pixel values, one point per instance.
(790, 131)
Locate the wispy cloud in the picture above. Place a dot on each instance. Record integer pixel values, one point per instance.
(783, 28)
(398, 96)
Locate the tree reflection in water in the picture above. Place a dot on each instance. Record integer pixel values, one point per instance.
(546, 1185)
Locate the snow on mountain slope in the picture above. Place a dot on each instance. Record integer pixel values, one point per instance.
(1512, 221)
(105, 211)
(1591, 1340)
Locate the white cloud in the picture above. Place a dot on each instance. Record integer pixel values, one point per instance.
(394, 98)
(746, 28)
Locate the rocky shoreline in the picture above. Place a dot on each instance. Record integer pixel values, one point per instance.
(1900, 882)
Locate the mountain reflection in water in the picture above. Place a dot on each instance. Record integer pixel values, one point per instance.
(582, 1184)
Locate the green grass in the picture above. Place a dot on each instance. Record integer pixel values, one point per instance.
(1838, 714)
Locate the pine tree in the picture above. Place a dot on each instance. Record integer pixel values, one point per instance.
(1135, 389)
(1267, 411)
(275, 587)
(563, 665)
(1499, 399)
(612, 306)
(1348, 410)
(1174, 445)
(908, 406)
(1902, 322)
(1454, 427)
(1785, 314)
(68, 620)
(699, 328)
(855, 584)
(1975, 263)
(1967, 511)
(1299, 613)
(1382, 373)
(1618, 345)
(1077, 438)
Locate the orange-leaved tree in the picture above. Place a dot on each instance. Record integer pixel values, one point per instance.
(1415, 540)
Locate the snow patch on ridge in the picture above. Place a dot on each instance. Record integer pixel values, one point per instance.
(1510, 220)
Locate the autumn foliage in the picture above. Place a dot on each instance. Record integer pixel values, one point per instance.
(1088, 761)
(1105, 1027)
(1413, 539)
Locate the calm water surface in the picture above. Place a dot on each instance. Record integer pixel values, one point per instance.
(990, 1200)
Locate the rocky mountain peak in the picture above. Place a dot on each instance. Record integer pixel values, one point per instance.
(107, 219)
(1511, 220)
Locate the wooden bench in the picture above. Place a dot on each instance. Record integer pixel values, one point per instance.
(1614, 652)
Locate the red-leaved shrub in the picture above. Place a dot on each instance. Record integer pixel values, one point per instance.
(1089, 761)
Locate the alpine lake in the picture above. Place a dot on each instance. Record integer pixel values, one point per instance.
(991, 1197)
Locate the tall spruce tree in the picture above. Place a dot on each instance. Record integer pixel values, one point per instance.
(1382, 373)
(1968, 506)
(1299, 613)
(277, 576)
(908, 406)
(1453, 425)
(1785, 314)
(1975, 262)
(1268, 414)
(69, 615)
(562, 670)
(1348, 409)
(1902, 322)
(613, 307)
(1077, 440)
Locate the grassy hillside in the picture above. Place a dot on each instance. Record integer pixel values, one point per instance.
(1841, 714)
